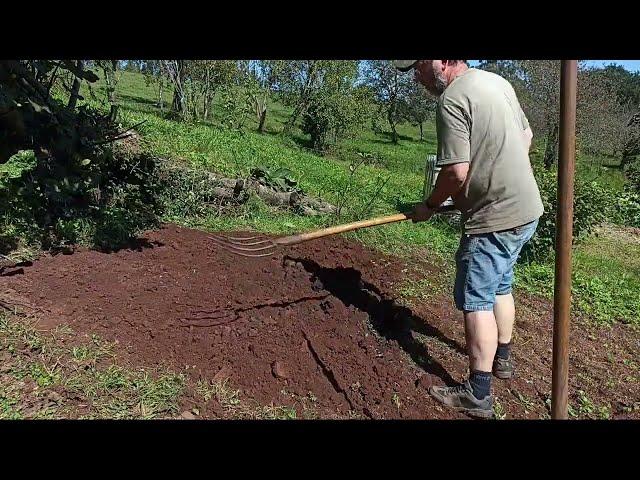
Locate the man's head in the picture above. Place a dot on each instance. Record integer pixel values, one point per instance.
(435, 75)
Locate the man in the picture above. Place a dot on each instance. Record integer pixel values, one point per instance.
(483, 150)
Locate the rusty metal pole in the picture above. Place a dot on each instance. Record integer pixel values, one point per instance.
(564, 237)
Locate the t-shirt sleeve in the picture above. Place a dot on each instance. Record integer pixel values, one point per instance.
(454, 133)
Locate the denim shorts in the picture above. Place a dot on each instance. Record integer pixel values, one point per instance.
(484, 266)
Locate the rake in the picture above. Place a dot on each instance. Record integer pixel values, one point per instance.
(261, 246)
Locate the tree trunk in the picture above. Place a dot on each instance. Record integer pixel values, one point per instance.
(75, 88)
(302, 104)
(551, 150)
(392, 124)
(160, 100)
(205, 96)
(179, 103)
(263, 117)
(111, 78)
(421, 133)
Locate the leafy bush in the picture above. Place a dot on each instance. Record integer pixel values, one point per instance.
(334, 115)
(100, 202)
(632, 172)
(280, 179)
(593, 204)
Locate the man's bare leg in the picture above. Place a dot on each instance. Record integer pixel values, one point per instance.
(505, 313)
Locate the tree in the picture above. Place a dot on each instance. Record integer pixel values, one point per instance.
(154, 72)
(196, 82)
(262, 78)
(601, 120)
(296, 83)
(390, 87)
(600, 117)
(330, 104)
(324, 95)
(627, 88)
(626, 84)
(111, 71)
(176, 72)
(75, 88)
(206, 78)
(418, 106)
(73, 172)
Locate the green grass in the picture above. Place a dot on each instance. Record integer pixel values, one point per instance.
(606, 277)
(236, 408)
(42, 377)
(606, 284)
(16, 165)
(601, 170)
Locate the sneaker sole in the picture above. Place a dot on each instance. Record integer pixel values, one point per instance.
(503, 375)
(472, 412)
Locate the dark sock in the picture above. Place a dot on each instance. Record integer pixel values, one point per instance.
(504, 351)
(480, 383)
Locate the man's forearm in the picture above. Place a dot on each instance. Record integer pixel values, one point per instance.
(449, 182)
(528, 137)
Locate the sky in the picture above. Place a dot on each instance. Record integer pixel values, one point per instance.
(631, 65)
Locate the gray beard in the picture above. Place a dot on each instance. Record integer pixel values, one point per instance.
(441, 82)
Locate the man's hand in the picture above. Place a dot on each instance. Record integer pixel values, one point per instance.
(421, 213)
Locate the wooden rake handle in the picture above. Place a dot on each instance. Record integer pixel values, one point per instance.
(347, 227)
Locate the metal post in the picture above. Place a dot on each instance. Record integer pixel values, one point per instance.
(564, 236)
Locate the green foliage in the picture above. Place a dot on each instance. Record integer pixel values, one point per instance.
(626, 210)
(632, 172)
(336, 108)
(592, 206)
(607, 298)
(101, 202)
(281, 179)
(235, 106)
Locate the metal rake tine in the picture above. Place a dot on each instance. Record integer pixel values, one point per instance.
(230, 241)
(253, 255)
(239, 238)
(243, 253)
(243, 248)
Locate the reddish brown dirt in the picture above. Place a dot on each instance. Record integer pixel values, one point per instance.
(318, 319)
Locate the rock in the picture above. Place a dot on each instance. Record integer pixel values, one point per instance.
(424, 382)
(55, 397)
(279, 370)
(317, 285)
(223, 374)
(186, 415)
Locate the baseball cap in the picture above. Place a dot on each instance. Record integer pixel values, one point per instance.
(404, 65)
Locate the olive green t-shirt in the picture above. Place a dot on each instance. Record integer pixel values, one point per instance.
(479, 120)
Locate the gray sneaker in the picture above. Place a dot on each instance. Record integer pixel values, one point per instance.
(502, 368)
(461, 398)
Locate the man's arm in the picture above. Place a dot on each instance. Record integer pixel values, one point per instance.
(528, 136)
(453, 130)
(449, 182)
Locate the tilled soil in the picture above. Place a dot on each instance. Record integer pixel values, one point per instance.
(316, 327)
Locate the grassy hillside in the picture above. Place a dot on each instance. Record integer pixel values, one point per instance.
(392, 178)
